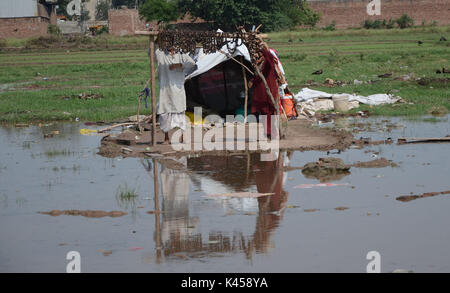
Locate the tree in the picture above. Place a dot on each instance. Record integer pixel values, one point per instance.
(101, 10)
(62, 8)
(272, 14)
(159, 10)
(300, 13)
(84, 12)
(127, 3)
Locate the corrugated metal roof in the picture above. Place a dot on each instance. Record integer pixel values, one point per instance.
(18, 8)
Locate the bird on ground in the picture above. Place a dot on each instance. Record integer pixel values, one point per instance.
(443, 39)
(386, 75)
(419, 42)
(300, 40)
(438, 71)
(318, 72)
(290, 40)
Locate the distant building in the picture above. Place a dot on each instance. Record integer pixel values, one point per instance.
(26, 18)
(352, 13)
(124, 22)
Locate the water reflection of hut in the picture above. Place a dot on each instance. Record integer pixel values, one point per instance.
(269, 179)
(226, 170)
(177, 233)
(176, 221)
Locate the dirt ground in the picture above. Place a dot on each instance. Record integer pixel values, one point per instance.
(299, 136)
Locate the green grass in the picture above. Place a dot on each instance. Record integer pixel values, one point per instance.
(126, 193)
(35, 81)
(349, 55)
(59, 153)
(127, 198)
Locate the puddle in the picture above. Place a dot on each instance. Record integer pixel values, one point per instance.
(300, 224)
(5, 87)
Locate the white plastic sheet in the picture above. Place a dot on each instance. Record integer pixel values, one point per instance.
(307, 94)
(206, 62)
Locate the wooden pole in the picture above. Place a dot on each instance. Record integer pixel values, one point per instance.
(157, 213)
(138, 114)
(246, 91)
(153, 82)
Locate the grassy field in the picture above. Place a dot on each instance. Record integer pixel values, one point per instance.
(44, 84)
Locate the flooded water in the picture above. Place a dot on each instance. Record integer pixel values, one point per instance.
(176, 225)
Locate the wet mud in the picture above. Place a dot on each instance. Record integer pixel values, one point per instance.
(326, 169)
(86, 214)
(334, 169)
(378, 163)
(299, 136)
(408, 198)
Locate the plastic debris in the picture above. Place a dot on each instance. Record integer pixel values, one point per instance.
(307, 94)
(136, 248)
(87, 131)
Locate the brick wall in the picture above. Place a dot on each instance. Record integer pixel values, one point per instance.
(124, 22)
(351, 13)
(23, 27)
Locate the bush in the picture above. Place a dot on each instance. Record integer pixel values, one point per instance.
(331, 26)
(367, 24)
(103, 30)
(43, 42)
(405, 21)
(373, 24)
(53, 30)
(390, 24)
(335, 59)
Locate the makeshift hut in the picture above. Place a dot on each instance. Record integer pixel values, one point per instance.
(211, 42)
(218, 83)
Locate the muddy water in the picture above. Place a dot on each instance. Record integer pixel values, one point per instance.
(300, 228)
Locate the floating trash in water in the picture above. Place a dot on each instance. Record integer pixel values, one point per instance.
(136, 248)
(311, 210)
(87, 131)
(341, 208)
(105, 252)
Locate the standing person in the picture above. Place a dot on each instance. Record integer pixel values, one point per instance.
(261, 102)
(172, 96)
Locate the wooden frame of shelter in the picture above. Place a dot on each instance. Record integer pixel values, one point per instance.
(210, 41)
